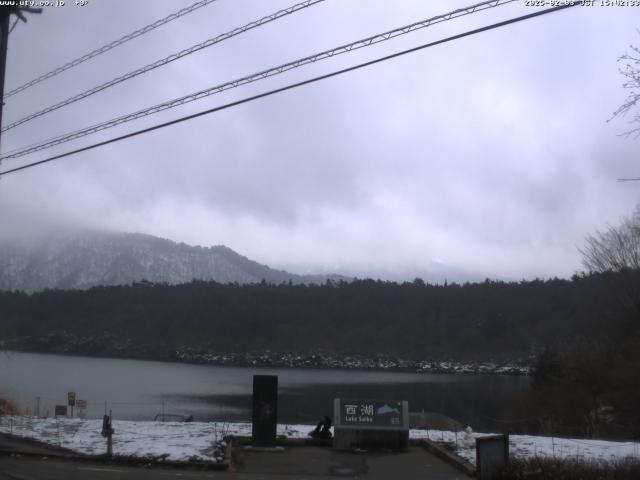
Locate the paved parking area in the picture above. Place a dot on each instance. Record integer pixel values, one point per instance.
(321, 462)
(282, 463)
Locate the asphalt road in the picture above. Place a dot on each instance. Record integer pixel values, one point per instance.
(23, 468)
(311, 463)
(14, 444)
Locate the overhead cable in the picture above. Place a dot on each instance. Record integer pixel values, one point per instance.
(366, 42)
(164, 61)
(109, 46)
(289, 87)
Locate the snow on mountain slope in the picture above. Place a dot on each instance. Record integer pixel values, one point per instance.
(85, 259)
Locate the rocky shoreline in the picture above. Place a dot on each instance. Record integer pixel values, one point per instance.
(329, 360)
(108, 345)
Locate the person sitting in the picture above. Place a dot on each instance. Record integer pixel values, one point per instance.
(323, 429)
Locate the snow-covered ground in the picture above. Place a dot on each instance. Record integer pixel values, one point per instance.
(529, 446)
(176, 441)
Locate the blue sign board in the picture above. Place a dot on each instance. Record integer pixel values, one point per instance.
(371, 413)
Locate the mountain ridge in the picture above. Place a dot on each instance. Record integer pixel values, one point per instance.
(89, 258)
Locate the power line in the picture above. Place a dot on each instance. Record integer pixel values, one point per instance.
(109, 46)
(366, 42)
(629, 179)
(291, 86)
(164, 61)
(8, 153)
(257, 76)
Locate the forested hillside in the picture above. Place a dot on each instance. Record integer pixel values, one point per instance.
(489, 320)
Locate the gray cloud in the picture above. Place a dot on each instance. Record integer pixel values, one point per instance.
(489, 156)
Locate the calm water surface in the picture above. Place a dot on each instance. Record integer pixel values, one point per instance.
(136, 389)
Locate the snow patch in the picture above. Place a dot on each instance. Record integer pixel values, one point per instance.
(176, 441)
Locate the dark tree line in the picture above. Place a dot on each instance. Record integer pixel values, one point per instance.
(586, 343)
(479, 321)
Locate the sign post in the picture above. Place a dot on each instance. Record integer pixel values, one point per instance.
(108, 431)
(60, 411)
(82, 405)
(371, 424)
(71, 400)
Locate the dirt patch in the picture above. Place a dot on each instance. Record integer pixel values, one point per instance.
(7, 407)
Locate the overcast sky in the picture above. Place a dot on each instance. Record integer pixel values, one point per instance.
(490, 156)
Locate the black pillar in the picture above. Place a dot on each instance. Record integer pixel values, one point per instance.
(265, 409)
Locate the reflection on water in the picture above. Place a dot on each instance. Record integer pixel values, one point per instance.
(135, 389)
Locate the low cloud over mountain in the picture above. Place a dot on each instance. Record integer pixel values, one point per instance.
(92, 258)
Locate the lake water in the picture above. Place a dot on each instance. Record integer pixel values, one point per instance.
(135, 389)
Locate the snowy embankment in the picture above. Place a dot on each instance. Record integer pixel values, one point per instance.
(529, 446)
(174, 441)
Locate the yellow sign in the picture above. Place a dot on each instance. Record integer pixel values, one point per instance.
(71, 397)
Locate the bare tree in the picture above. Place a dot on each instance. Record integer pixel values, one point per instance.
(617, 250)
(631, 73)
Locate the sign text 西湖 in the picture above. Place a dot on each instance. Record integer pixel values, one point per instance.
(373, 413)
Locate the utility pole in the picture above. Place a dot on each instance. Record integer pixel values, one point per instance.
(4, 40)
(5, 16)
